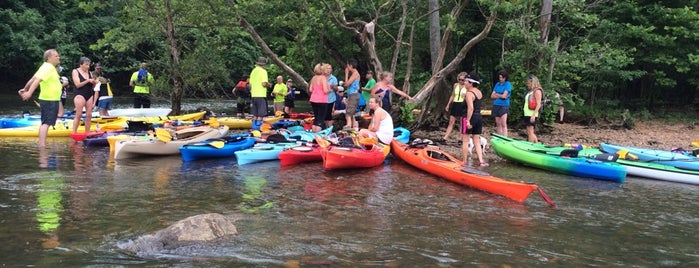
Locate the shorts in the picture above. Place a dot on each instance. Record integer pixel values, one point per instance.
(476, 125)
(457, 109)
(526, 122)
(499, 110)
(259, 107)
(289, 103)
(49, 112)
(352, 104)
(105, 104)
(63, 101)
(279, 106)
(329, 111)
(319, 113)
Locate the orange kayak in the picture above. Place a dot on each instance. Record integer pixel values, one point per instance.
(439, 163)
(338, 157)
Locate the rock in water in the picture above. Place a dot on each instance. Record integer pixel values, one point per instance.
(199, 228)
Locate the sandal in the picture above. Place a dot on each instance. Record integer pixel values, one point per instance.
(484, 164)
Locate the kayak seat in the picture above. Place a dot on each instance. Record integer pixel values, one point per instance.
(437, 155)
(569, 153)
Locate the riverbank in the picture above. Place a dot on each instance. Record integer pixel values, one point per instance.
(658, 134)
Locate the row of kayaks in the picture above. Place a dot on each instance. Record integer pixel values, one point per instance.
(28, 126)
(608, 162)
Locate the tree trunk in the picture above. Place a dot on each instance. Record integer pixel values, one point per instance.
(434, 34)
(178, 84)
(451, 67)
(300, 81)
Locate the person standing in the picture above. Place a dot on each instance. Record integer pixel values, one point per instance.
(319, 89)
(455, 106)
(104, 102)
(64, 96)
(352, 93)
(501, 102)
(383, 90)
(141, 81)
(46, 77)
(289, 98)
(279, 93)
(472, 122)
(259, 82)
(85, 94)
(332, 97)
(532, 105)
(366, 90)
(241, 93)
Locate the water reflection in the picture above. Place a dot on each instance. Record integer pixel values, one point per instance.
(49, 206)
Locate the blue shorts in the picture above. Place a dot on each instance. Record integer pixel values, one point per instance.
(499, 110)
(259, 107)
(49, 112)
(105, 104)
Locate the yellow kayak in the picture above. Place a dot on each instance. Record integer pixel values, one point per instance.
(244, 123)
(63, 128)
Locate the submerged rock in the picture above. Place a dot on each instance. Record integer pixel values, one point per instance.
(186, 232)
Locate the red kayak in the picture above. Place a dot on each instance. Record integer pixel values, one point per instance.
(81, 136)
(300, 154)
(339, 157)
(433, 160)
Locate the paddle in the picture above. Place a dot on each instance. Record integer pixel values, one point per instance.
(163, 135)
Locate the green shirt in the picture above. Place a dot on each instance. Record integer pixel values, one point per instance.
(145, 89)
(367, 94)
(257, 77)
(50, 85)
(279, 91)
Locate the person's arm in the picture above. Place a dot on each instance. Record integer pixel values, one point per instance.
(29, 88)
(399, 92)
(537, 96)
(326, 87)
(77, 82)
(350, 79)
(378, 116)
(131, 81)
(469, 108)
(451, 99)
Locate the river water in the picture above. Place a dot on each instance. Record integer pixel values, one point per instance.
(74, 206)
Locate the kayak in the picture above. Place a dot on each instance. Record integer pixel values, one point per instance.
(244, 123)
(309, 136)
(678, 160)
(401, 134)
(129, 148)
(300, 154)
(64, 127)
(651, 170)
(261, 152)
(433, 160)
(216, 148)
(340, 157)
(555, 159)
(80, 136)
(34, 120)
(286, 123)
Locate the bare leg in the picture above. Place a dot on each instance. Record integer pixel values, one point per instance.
(531, 136)
(464, 147)
(79, 105)
(43, 133)
(450, 127)
(479, 151)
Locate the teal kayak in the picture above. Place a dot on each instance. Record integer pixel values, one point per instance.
(261, 152)
(401, 134)
(678, 160)
(651, 170)
(556, 159)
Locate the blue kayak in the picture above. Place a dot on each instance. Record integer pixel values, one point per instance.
(216, 148)
(678, 160)
(261, 152)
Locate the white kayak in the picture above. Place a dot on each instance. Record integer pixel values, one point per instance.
(129, 148)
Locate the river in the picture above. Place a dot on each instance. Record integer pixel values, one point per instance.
(74, 206)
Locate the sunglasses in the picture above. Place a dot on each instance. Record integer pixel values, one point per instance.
(462, 80)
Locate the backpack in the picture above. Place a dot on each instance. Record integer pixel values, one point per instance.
(532, 101)
(142, 77)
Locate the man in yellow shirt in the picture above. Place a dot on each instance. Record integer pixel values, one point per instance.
(50, 94)
(279, 92)
(258, 91)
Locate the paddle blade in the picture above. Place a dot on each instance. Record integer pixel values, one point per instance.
(217, 144)
(265, 127)
(163, 135)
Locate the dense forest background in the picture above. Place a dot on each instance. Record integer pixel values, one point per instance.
(602, 56)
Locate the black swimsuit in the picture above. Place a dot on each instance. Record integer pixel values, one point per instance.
(87, 90)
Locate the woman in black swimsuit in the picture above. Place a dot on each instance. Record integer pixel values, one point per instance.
(85, 95)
